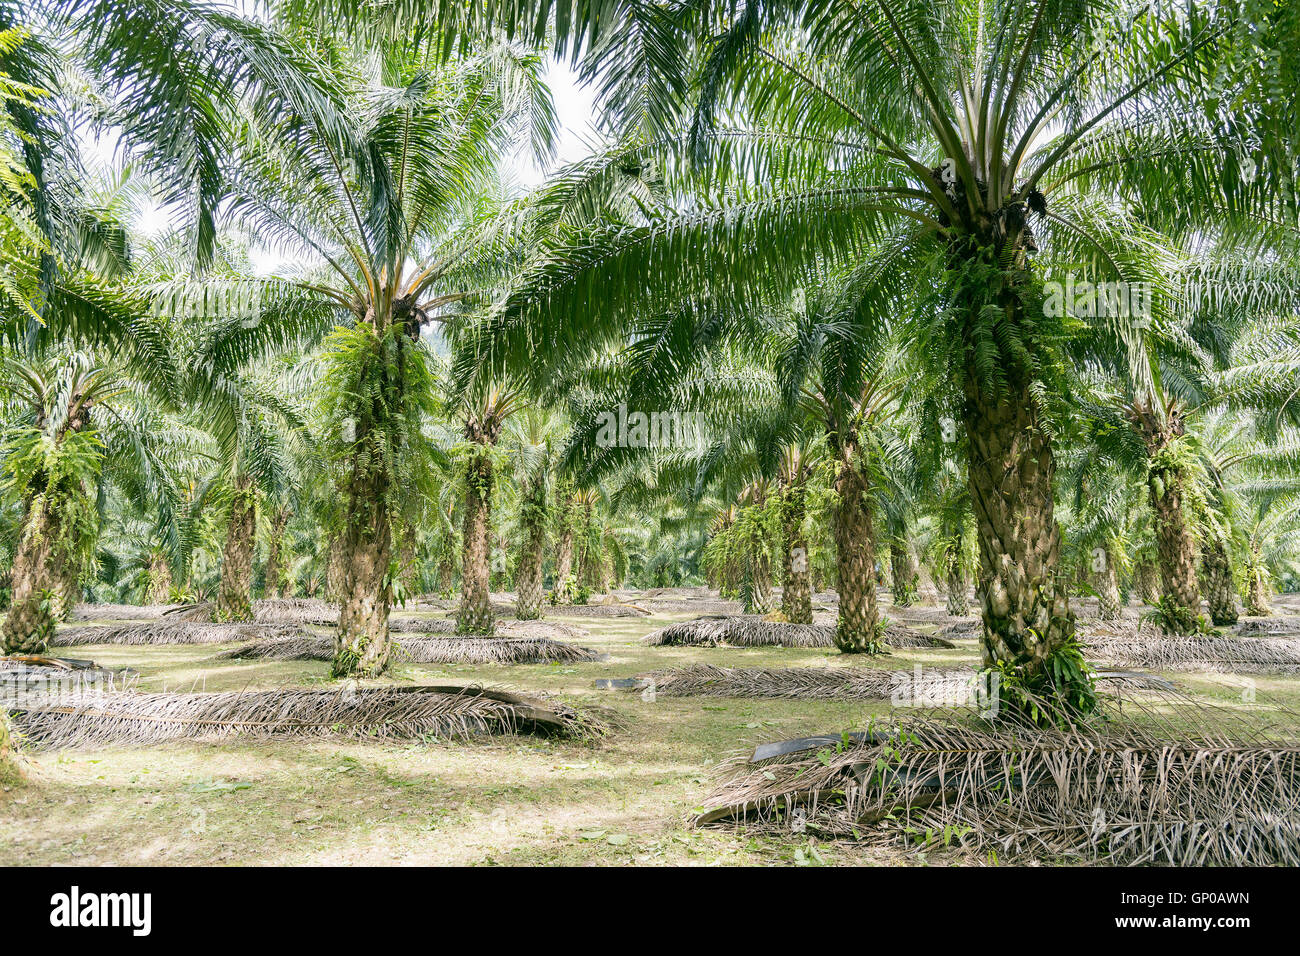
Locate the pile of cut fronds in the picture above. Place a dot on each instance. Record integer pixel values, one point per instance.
(540, 628)
(962, 629)
(900, 635)
(597, 610)
(20, 673)
(1268, 626)
(92, 719)
(928, 687)
(422, 625)
(418, 649)
(691, 606)
(746, 631)
(1247, 655)
(171, 632)
(265, 611)
(295, 611)
(119, 612)
(1153, 790)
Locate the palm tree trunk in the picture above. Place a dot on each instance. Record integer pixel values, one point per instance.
(361, 646)
(760, 580)
(275, 583)
(528, 576)
(1106, 583)
(475, 614)
(1175, 550)
(956, 586)
(29, 624)
(1146, 580)
(1219, 592)
(563, 592)
(1026, 611)
(1257, 604)
(234, 596)
(160, 579)
(855, 550)
(796, 593)
(902, 574)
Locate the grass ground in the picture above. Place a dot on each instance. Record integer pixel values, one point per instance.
(500, 801)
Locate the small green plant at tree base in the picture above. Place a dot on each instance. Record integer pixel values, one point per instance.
(1173, 618)
(1062, 691)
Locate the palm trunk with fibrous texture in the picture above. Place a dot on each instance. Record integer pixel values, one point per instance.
(760, 580)
(1256, 586)
(1106, 582)
(1146, 581)
(562, 593)
(902, 574)
(528, 576)
(796, 594)
(475, 614)
(956, 588)
(276, 583)
(36, 577)
(855, 550)
(361, 646)
(160, 579)
(1026, 611)
(235, 594)
(1167, 482)
(1219, 592)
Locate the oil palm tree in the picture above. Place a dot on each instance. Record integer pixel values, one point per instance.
(484, 417)
(400, 240)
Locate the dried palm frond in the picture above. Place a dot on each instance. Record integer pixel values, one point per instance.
(26, 673)
(171, 632)
(691, 606)
(1247, 655)
(962, 628)
(118, 612)
(1168, 791)
(929, 687)
(295, 611)
(416, 649)
(93, 719)
(541, 628)
(747, 631)
(900, 635)
(422, 625)
(596, 610)
(1268, 626)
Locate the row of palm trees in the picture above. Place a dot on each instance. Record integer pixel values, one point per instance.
(827, 226)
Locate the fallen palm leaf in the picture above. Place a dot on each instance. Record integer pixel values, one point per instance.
(91, 719)
(1168, 791)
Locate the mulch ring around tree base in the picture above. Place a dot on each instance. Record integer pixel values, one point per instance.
(93, 718)
(751, 631)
